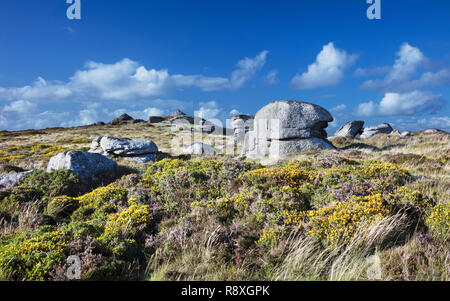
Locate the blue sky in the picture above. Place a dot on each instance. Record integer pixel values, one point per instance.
(223, 57)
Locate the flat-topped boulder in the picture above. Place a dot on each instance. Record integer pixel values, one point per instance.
(123, 146)
(352, 128)
(85, 165)
(383, 128)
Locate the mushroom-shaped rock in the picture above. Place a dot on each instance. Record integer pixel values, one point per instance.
(285, 119)
(384, 128)
(85, 165)
(351, 128)
(199, 148)
(285, 127)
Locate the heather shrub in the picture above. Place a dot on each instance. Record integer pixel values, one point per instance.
(54, 183)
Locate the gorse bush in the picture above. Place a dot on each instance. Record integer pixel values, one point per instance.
(121, 228)
(339, 223)
(100, 202)
(439, 219)
(32, 256)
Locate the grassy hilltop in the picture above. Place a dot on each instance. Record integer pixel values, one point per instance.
(318, 215)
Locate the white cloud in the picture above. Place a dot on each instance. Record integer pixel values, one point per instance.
(417, 124)
(20, 106)
(208, 110)
(19, 115)
(272, 77)
(234, 112)
(338, 108)
(428, 79)
(401, 74)
(395, 104)
(409, 59)
(327, 70)
(125, 80)
(247, 68)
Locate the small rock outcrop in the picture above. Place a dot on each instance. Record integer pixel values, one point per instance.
(432, 131)
(177, 113)
(13, 179)
(85, 165)
(123, 119)
(406, 134)
(141, 151)
(396, 133)
(384, 128)
(242, 124)
(352, 128)
(285, 127)
(199, 148)
(156, 119)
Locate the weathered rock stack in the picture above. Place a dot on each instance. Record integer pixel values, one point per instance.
(285, 127)
(242, 124)
(352, 128)
(140, 151)
(384, 128)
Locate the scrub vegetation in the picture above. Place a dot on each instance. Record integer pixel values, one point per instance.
(317, 215)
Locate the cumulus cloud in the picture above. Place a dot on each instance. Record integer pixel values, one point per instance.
(397, 104)
(327, 70)
(127, 79)
(409, 59)
(338, 109)
(20, 106)
(22, 114)
(401, 74)
(19, 115)
(208, 110)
